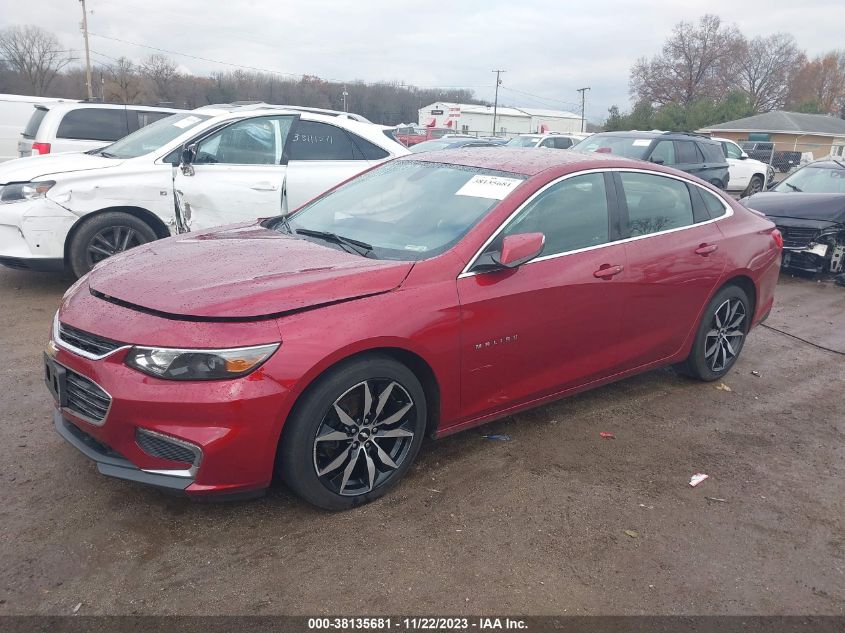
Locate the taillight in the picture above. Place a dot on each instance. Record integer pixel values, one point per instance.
(778, 238)
(40, 148)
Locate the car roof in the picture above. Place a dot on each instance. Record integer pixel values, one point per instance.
(658, 134)
(65, 106)
(523, 161)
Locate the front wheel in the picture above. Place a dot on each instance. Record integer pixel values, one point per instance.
(754, 186)
(721, 335)
(354, 434)
(105, 235)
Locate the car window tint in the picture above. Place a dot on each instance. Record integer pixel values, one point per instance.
(145, 117)
(664, 151)
(34, 122)
(715, 207)
(563, 143)
(687, 152)
(712, 152)
(572, 214)
(257, 141)
(94, 124)
(366, 149)
(312, 140)
(549, 142)
(655, 203)
(731, 150)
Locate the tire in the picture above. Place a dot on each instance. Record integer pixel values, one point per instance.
(718, 183)
(352, 468)
(104, 235)
(725, 342)
(754, 186)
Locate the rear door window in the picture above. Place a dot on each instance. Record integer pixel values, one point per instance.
(365, 150)
(313, 140)
(34, 122)
(687, 153)
(563, 143)
(655, 203)
(663, 153)
(94, 124)
(715, 206)
(712, 152)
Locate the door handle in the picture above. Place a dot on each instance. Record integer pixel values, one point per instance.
(606, 271)
(264, 186)
(705, 249)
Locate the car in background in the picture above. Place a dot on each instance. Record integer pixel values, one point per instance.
(190, 171)
(693, 153)
(15, 113)
(808, 207)
(411, 301)
(747, 175)
(765, 152)
(552, 140)
(411, 135)
(79, 127)
(450, 142)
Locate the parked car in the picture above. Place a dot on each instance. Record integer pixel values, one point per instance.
(747, 176)
(15, 113)
(808, 207)
(79, 127)
(765, 152)
(449, 142)
(190, 171)
(692, 153)
(551, 140)
(426, 296)
(411, 135)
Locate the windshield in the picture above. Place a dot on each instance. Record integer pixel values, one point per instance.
(812, 179)
(523, 141)
(429, 146)
(153, 136)
(627, 146)
(407, 210)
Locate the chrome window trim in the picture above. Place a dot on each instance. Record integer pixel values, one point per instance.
(82, 416)
(57, 339)
(467, 272)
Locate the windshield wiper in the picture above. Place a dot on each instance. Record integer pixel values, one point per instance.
(286, 224)
(793, 187)
(106, 154)
(359, 247)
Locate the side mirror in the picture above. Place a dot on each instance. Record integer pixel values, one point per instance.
(189, 153)
(743, 156)
(519, 249)
(772, 184)
(657, 161)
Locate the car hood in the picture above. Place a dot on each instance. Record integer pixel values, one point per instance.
(34, 167)
(828, 207)
(239, 273)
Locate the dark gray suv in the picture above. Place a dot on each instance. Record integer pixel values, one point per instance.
(692, 153)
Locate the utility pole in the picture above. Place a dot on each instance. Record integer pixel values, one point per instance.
(345, 94)
(87, 52)
(496, 98)
(583, 92)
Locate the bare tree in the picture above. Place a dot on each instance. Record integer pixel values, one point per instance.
(696, 62)
(820, 83)
(764, 68)
(35, 54)
(161, 71)
(124, 85)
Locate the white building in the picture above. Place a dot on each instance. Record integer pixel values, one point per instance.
(469, 118)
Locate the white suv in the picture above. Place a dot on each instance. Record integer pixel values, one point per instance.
(747, 176)
(202, 168)
(552, 140)
(78, 127)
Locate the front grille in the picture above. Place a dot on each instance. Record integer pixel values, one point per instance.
(86, 399)
(87, 342)
(159, 446)
(797, 236)
(92, 442)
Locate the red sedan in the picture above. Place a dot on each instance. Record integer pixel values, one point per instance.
(429, 295)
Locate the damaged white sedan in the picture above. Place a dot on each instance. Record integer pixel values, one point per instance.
(194, 170)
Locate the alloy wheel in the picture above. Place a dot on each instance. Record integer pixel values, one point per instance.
(364, 437)
(110, 241)
(723, 341)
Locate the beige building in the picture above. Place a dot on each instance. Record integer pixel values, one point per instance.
(817, 134)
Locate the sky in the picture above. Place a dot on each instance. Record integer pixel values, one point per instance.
(549, 48)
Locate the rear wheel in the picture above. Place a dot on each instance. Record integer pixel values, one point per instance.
(721, 335)
(105, 235)
(354, 434)
(754, 186)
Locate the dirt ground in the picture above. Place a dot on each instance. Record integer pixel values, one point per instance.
(535, 525)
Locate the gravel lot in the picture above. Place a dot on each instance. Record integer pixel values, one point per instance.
(536, 525)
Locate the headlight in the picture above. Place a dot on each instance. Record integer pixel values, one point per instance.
(25, 190)
(199, 364)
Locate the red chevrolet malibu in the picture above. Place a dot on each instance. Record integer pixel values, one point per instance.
(426, 296)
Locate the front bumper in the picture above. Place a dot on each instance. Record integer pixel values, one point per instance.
(33, 233)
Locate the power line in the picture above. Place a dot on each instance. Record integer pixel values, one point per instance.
(538, 97)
